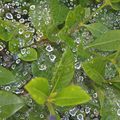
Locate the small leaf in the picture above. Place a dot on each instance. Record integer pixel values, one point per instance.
(64, 36)
(75, 17)
(6, 76)
(95, 70)
(97, 29)
(7, 30)
(58, 11)
(64, 71)
(115, 6)
(9, 104)
(110, 107)
(72, 95)
(38, 88)
(40, 17)
(29, 54)
(82, 53)
(107, 42)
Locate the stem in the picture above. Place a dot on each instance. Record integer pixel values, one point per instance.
(51, 109)
(82, 24)
(101, 7)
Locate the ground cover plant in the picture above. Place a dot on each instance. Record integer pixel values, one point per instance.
(60, 60)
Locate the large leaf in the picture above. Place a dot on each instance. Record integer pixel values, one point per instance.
(9, 104)
(97, 29)
(58, 11)
(64, 70)
(107, 42)
(38, 88)
(6, 76)
(95, 70)
(72, 95)
(28, 54)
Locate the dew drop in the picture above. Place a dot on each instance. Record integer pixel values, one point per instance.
(49, 48)
(73, 111)
(42, 67)
(118, 112)
(80, 117)
(9, 16)
(21, 31)
(1, 47)
(32, 7)
(7, 88)
(52, 58)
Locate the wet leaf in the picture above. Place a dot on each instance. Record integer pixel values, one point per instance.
(97, 29)
(58, 11)
(38, 88)
(109, 41)
(64, 36)
(95, 70)
(6, 76)
(30, 54)
(64, 71)
(9, 104)
(82, 53)
(75, 17)
(7, 30)
(72, 95)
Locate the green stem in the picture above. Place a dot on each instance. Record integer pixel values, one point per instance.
(51, 109)
(82, 24)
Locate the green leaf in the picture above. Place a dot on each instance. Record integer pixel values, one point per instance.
(28, 54)
(38, 88)
(58, 11)
(9, 104)
(115, 1)
(72, 95)
(95, 70)
(111, 104)
(7, 30)
(82, 53)
(75, 17)
(6, 76)
(101, 95)
(97, 29)
(109, 41)
(40, 17)
(64, 71)
(115, 6)
(44, 66)
(64, 36)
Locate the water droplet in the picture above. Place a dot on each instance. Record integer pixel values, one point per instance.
(87, 110)
(41, 116)
(7, 88)
(80, 117)
(32, 7)
(49, 48)
(52, 58)
(42, 67)
(9, 16)
(73, 111)
(77, 65)
(118, 112)
(21, 31)
(95, 95)
(1, 47)
(23, 51)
